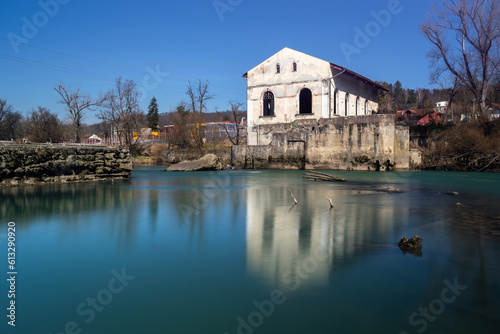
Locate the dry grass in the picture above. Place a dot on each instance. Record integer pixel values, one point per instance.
(467, 146)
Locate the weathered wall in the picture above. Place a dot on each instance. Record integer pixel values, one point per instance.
(352, 143)
(289, 156)
(35, 164)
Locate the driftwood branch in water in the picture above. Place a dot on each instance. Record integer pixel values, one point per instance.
(294, 199)
(318, 176)
(329, 200)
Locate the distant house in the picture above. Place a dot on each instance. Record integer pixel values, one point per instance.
(418, 117)
(442, 106)
(494, 112)
(94, 140)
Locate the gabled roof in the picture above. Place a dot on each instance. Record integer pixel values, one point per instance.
(343, 70)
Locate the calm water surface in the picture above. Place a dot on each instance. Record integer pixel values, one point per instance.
(228, 252)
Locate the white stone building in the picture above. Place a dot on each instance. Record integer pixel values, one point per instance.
(292, 86)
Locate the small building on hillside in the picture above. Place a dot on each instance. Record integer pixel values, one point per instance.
(418, 117)
(442, 106)
(304, 112)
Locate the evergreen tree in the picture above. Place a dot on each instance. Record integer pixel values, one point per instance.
(152, 115)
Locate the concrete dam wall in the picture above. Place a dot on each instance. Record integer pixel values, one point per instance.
(30, 164)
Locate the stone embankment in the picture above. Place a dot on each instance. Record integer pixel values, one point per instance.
(30, 164)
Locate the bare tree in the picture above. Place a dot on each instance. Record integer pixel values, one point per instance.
(120, 109)
(180, 136)
(10, 122)
(466, 42)
(236, 118)
(76, 104)
(4, 109)
(198, 97)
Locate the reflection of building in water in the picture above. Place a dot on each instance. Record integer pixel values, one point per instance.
(308, 240)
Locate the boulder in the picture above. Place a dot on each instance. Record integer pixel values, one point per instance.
(205, 163)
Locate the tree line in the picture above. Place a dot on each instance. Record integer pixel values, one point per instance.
(120, 116)
(119, 107)
(460, 100)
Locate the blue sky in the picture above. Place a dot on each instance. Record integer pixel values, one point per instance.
(163, 44)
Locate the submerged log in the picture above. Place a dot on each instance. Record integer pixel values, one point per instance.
(319, 176)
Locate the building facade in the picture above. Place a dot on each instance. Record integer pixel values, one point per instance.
(307, 113)
(291, 86)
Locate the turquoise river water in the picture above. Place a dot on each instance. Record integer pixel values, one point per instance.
(229, 252)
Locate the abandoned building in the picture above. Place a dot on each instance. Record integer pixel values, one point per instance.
(304, 112)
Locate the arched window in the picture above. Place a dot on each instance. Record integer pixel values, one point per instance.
(268, 104)
(346, 104)
(366, 107)
(305, 101)
(358, 106)
(295, 67)
(278, 68)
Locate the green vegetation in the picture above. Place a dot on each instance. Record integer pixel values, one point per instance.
(152, 116)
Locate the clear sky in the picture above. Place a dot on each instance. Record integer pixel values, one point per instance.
(163, 44)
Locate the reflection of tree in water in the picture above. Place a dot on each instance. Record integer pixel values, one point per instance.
(473, 232)
(75, 203)
(153, 206)
(203, 198)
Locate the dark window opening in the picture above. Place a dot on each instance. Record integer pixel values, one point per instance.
(335, 101)
(278, 68)
(295, 67)
(268, 104)
(305, 101)
(346, 104)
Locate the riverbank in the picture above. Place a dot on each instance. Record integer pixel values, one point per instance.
(161, 154)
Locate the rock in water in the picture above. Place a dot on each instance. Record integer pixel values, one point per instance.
(415, 242)
(205, 163)
(412, 245)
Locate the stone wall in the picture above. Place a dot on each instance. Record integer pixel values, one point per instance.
(371, 142)
(29, 164)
